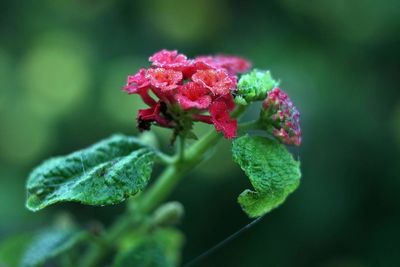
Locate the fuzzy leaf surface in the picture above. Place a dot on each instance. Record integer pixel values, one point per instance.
(272, 171)
(103, 174)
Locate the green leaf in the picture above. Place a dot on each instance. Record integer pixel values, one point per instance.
(272, 171)
(51, 243)
(147, 254)
(171, 240)
(12, 248)
(159, 248)
(105, 173)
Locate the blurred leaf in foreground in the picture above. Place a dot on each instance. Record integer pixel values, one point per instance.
(51, 243)
(12, 249)
(161, 248)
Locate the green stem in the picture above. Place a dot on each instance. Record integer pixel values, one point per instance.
(164, 158)
(158, 192)
(171, 176)
(181, 148)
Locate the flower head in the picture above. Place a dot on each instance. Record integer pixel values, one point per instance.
(231, 64)
(217, 81)
(281, 117)
(187, 89)
(164, 79)
(193, 95)
(139, 84)
(168, 59)
(219, 111)
(136, 82)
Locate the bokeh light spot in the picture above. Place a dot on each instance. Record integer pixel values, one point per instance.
(55, 75)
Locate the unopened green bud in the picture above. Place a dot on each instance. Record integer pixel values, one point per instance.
(254, 86)
(168, 214)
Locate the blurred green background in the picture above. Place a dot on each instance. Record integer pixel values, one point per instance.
(63, 63)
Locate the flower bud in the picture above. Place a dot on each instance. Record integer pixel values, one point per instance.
(168, 214)
(280, 117)
(254, 86)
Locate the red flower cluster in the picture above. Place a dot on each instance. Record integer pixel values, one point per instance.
(284, 117)
(186, 90)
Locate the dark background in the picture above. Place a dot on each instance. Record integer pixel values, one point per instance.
(63, 63)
